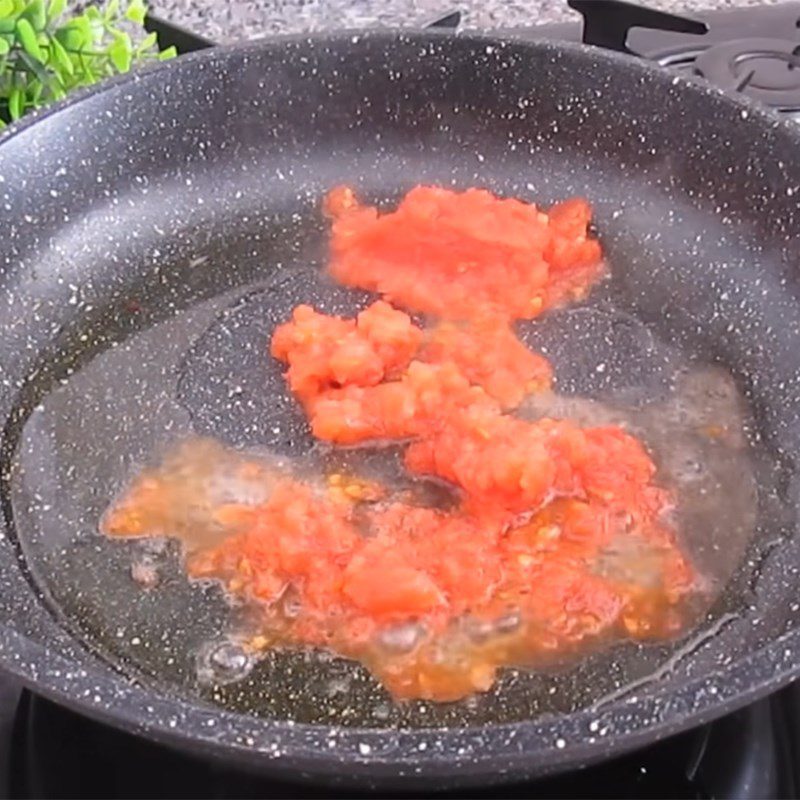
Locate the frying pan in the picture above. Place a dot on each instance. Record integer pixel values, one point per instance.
(154, 230)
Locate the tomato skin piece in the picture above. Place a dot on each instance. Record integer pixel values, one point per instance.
(338, 201)
(570, 218)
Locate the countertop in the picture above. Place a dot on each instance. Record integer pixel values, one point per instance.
(232, 20)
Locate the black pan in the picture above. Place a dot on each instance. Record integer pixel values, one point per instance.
(153, 231)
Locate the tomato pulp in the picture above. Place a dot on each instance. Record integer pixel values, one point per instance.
(558, 537)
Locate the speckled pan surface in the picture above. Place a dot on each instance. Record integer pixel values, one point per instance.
(161, 213)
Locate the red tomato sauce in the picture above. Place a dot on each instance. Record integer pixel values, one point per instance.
(558, 540)
(434, 602)
(462, 254)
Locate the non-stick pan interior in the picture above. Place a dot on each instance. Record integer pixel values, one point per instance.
(153, 251)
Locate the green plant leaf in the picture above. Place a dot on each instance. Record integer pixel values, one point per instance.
(35, 92)
(121, 52)
(89, 75)
(167, 54)
(112, 10)
(149, 41)
(35, 68)
(35, 14)
(15, 103)
(84, 25)
(45, 54)
(61, 57)
(55, 9)
(26, 36)
(70, 38)
(136, 11)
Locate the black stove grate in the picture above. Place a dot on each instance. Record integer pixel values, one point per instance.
(607, 23)
(755, 51)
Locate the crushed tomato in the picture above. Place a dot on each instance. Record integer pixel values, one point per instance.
(462, 254)
(557, 540)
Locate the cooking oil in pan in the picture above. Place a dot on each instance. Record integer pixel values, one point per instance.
(207, 371)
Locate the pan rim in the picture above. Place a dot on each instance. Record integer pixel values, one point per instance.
(355, 35)
(539, 742)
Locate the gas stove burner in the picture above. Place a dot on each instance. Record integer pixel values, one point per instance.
(767, 70)
(681, 60)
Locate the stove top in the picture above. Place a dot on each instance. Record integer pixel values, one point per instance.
(47, 751)
(751, 50)
(754, 51)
